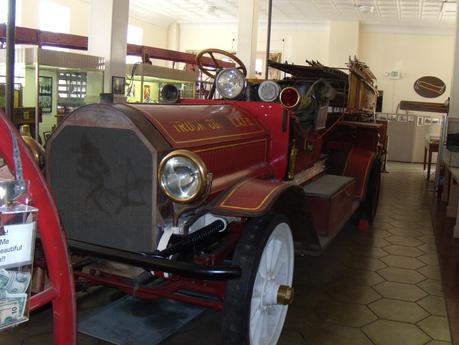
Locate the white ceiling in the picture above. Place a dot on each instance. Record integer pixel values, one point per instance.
(396, 12)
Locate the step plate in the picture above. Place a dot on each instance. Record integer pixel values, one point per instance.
(130, 320)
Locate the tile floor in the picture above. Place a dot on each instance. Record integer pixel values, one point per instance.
(382, 287)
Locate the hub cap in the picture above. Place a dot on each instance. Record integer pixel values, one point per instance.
(275, 271)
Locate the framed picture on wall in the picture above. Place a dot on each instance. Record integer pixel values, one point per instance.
(420, 121)
(45, 94)
(427, 120)
(146, 94)
(118, 85)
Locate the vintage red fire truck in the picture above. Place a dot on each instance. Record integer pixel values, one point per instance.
(210, 198)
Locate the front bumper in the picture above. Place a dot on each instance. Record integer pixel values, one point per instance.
(185, 269)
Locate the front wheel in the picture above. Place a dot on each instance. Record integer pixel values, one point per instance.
(256, 304)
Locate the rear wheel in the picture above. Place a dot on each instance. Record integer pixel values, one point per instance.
(256, 304)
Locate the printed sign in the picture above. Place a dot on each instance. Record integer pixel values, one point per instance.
(16, 246)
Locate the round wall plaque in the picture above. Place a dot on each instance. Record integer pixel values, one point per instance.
(429, 87)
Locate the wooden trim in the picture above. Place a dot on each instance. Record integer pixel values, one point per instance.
(40, 38)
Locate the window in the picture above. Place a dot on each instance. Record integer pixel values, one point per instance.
(54, 17)
(135, 35)
(4, 11)
(71, 88)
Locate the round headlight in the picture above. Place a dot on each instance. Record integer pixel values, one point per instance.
(182, 176)
(268, 91)
(170, 93)
(230, 83)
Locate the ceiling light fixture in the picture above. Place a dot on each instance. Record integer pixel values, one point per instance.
(366, 8)
(211, 9)
(448, 6)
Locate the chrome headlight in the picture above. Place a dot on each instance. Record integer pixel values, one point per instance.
(268, 91)
(230, 83)
(182, 176)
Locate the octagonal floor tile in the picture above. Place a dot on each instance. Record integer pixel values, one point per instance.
(406, 232)
(427, 238)
(428, 247)
(384, 332)
(291, 338)
(352, 292)
(434, 305)
(345, 314)
(398, 310)
(402, 262)
(431, 272)
(404, 292)
(429, 259)
(330, 334)
(404, 241)
(381, 233)
(403, 250)
(365, 263)
(401, 275)
(437, 327)
(353, 277)
(372, 252)
(432, 286)
(382, 224)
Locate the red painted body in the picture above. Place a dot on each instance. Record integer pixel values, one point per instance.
(274, 119)
(61, 292)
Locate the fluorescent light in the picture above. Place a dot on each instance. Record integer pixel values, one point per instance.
(448, 6)
(366, 9)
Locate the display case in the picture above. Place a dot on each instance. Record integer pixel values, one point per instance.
(144, 82)
(49, 84)
(25, 84)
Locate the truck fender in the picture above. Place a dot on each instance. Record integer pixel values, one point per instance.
(358, 165)
(249, 198)
(256, 197)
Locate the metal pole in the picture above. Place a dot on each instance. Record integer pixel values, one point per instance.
(268, 39)
(10, 42)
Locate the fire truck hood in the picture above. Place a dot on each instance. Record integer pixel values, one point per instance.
(189, 126)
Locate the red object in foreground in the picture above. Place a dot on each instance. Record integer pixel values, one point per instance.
(61, 293)
(363, 225)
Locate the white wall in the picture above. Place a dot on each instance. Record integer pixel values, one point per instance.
(414, 55)
(153, 35)
(296, 42)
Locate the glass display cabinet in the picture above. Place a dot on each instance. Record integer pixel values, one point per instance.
(144, 82)
(49, 84)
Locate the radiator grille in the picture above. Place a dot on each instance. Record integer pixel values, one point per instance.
(102, 180)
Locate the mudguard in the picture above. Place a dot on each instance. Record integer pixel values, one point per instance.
(358, 165)
(250, 198)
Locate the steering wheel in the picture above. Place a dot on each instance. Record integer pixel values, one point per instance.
(212, 71)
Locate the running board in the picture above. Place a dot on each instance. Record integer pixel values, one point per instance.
(324, 241)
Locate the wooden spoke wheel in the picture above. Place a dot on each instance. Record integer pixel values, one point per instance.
(256, 305)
